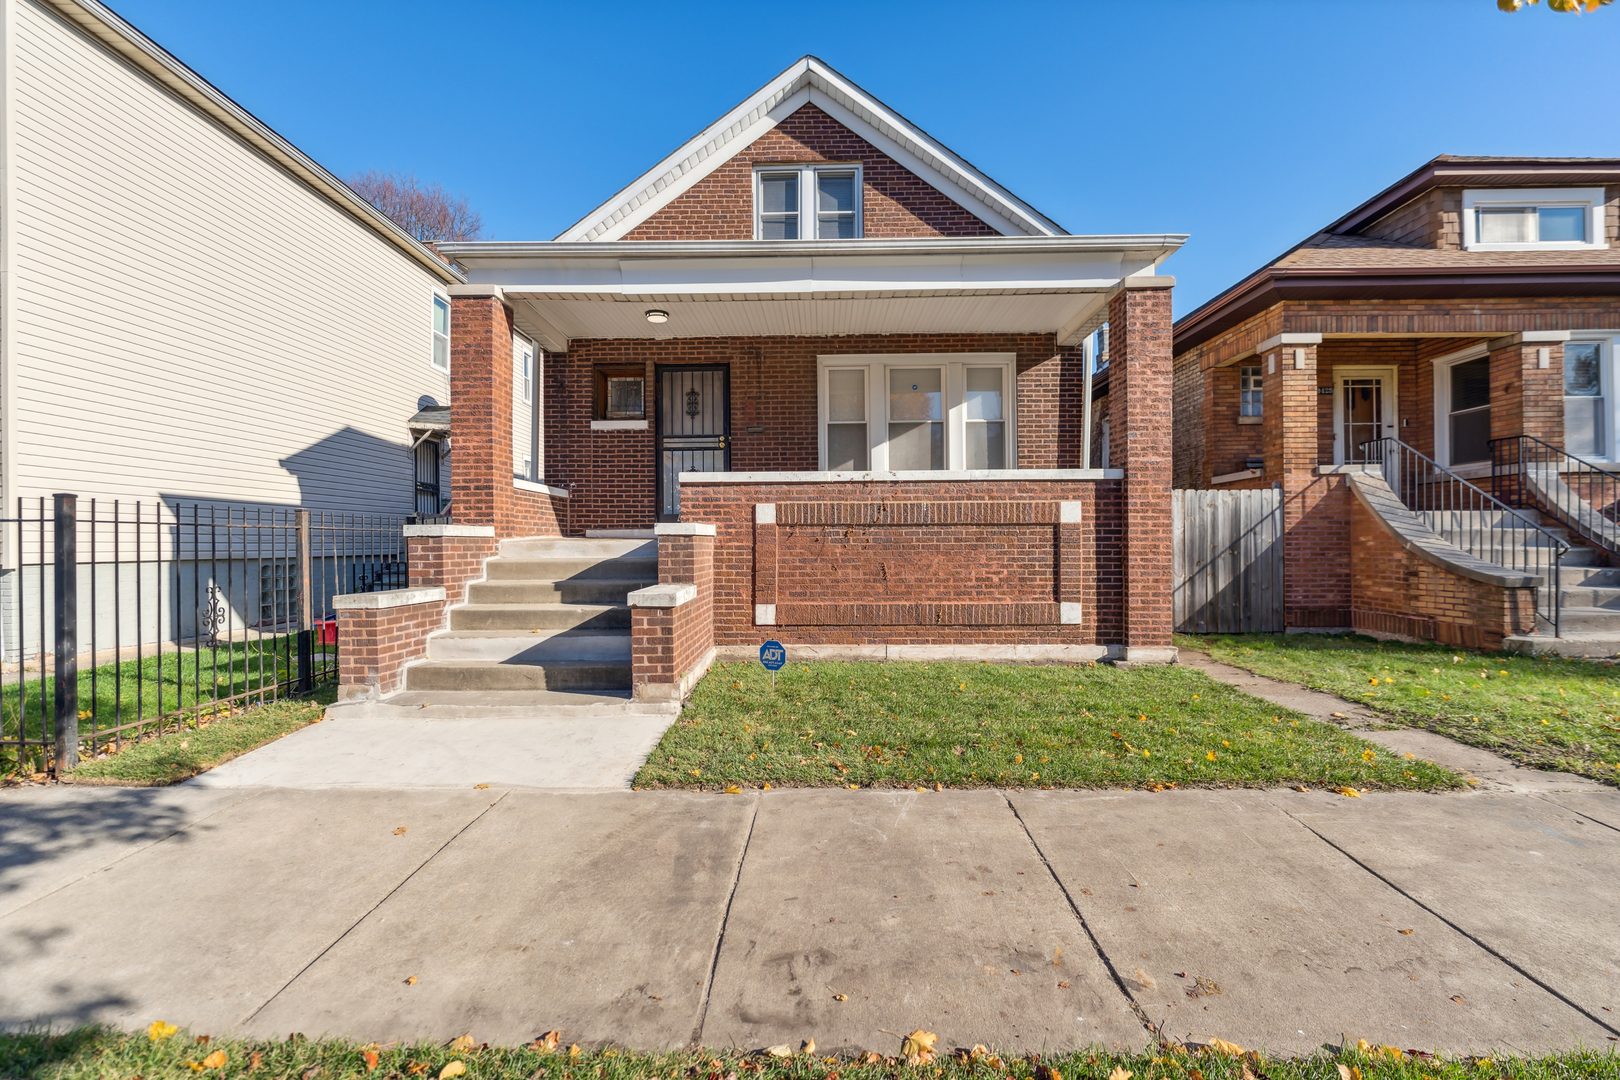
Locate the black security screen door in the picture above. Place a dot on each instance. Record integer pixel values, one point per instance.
(694, 428)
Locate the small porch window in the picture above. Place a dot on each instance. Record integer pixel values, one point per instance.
(1584, 427)
(918, 413)
(621, 393)
(834, 194)
(1249, 391)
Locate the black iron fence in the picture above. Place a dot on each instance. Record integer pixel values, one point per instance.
(1529, 472)
(120, 620)
(1471, 519)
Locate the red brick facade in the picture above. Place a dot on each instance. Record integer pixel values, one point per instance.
(449, 562)
(1396, 592)
(378, 643)
(667, 644)
(895, 202)
(481, 480)
(772, 383)
(917, 563)
(1140, 435)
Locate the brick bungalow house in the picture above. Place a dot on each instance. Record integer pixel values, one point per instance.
(1469, 312)
(837, 374)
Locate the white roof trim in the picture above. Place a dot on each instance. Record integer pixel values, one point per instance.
(810, 81)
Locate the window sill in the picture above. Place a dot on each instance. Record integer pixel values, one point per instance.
(1251, 419)
(618, 425)
(540, 489)
(1233, 477)
(1342, 470)
(897, 477)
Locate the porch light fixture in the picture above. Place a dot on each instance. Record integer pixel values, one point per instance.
(657, 315)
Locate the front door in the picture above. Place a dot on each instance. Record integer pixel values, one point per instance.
(694, 428)
(1363, 412)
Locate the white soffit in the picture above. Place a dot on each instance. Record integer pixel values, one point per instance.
(811, 81)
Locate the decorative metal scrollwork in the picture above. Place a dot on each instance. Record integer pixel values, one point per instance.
(692, 398)
(214, 617)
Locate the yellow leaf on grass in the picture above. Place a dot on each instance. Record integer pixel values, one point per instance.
(549, 1041)
(920, 1045)
(573, 1050)
(1120, 1074)
(1349, 1072)
(216, 1060)
(781, 1050)
(808, 1046)
(1224, 1047)
(455, 1068)
(157, 1030)
(371, 1060)
(461, 1043)
(1210, 756)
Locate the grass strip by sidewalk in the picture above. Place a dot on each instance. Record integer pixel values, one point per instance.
(90, 1053)
(199, 744)
(1545, 712)
(974, 725)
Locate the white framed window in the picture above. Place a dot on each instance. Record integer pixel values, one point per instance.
(1587, 370)
(1532, 219)
(1250, 394)
(807, 202)
(924, 412)
(1462, 407)
(440, 356)
(526, 371)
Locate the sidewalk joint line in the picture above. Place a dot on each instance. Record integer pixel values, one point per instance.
(1136, 1007)
(368, 912)
(1599, 1021)
(725, 918)
(1547, 798)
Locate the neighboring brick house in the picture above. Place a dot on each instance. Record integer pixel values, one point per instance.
(854, 360)
(1474, 301)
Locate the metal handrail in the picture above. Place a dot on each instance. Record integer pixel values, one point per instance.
(1472, 519)
(1513, 455)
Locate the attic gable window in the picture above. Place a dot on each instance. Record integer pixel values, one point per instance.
(1533, 219)
(820, 202)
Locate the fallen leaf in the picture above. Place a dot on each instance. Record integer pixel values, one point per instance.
(920, 1045)
(455, 1068)
(1406, 932)
(254, 1059)
(157, 1030)
(400, 831)
(371, 1060)
(1224, 1047)
(216, 1060)
(480, 787)
(411, 981)
(1120, 1074)
(733, 789)
(1349, 1072)
(872, 1057)
(1458, 999)
(1046, 1072)
(549, 1041)
(840, 997)
(1348, 792)
(573, 1050)
(461, 1044)
(781, 1050)
(1063, 986)
(808, 1046)
(1145, 979)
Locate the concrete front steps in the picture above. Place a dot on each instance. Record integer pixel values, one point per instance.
(549, 617)
(1589, 591)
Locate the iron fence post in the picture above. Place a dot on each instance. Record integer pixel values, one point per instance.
(306, 648)
(66, 574)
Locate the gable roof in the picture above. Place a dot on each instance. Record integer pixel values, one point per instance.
(812, 81)
(1340, 263)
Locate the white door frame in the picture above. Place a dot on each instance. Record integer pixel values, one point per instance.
(1392, 412)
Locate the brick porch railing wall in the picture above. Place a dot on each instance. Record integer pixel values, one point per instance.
(672, 623)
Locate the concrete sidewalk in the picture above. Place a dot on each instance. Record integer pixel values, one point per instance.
(1031, 920)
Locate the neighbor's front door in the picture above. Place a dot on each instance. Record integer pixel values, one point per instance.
(694, 429)
(1363, 412)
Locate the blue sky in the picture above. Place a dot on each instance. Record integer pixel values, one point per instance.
(1247, 123)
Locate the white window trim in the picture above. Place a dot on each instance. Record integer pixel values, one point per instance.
(526, 378)
(1341, 372)
(1591, 198)
(433, 332)
(954, 385)
(1442, 397)
(1607, 370)
(807, 191)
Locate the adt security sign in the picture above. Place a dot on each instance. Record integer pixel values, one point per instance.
(772, 656)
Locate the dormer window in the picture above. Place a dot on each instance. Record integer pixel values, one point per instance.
(833, 193)
(1533, 219)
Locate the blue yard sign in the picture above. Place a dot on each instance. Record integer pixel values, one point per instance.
(773, 656)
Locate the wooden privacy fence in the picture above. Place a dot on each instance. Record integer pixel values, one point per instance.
(1228, 561)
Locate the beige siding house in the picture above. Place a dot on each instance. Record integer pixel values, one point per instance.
(192, 309)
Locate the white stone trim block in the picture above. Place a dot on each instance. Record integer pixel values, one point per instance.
(1141, 654)
(1069, 614)
(764, 513)
(1069, 513)
(618, 425)
(375, 601)
(450, 530)
(764, 614)
(540, 489)
(663, 596)
(682, 528)
(897, 477)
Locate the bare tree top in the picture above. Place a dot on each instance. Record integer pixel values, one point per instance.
(426, 211)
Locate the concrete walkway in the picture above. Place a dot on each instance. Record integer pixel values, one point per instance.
(1031, 920)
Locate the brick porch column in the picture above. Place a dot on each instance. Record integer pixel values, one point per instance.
(480, 404)
(1291, 433)
(1527, 385)
(1140, 424)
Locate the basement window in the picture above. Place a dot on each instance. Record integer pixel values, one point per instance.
(1533, 219)
(833, 193)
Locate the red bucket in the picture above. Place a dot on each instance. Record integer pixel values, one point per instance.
(327, 629)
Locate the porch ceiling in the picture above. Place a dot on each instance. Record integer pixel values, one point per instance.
(1050, 285)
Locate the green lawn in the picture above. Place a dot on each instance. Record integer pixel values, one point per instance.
(102, 1054)
(197, 744)
(1541, 711)
(146, 689)
(974, 725)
